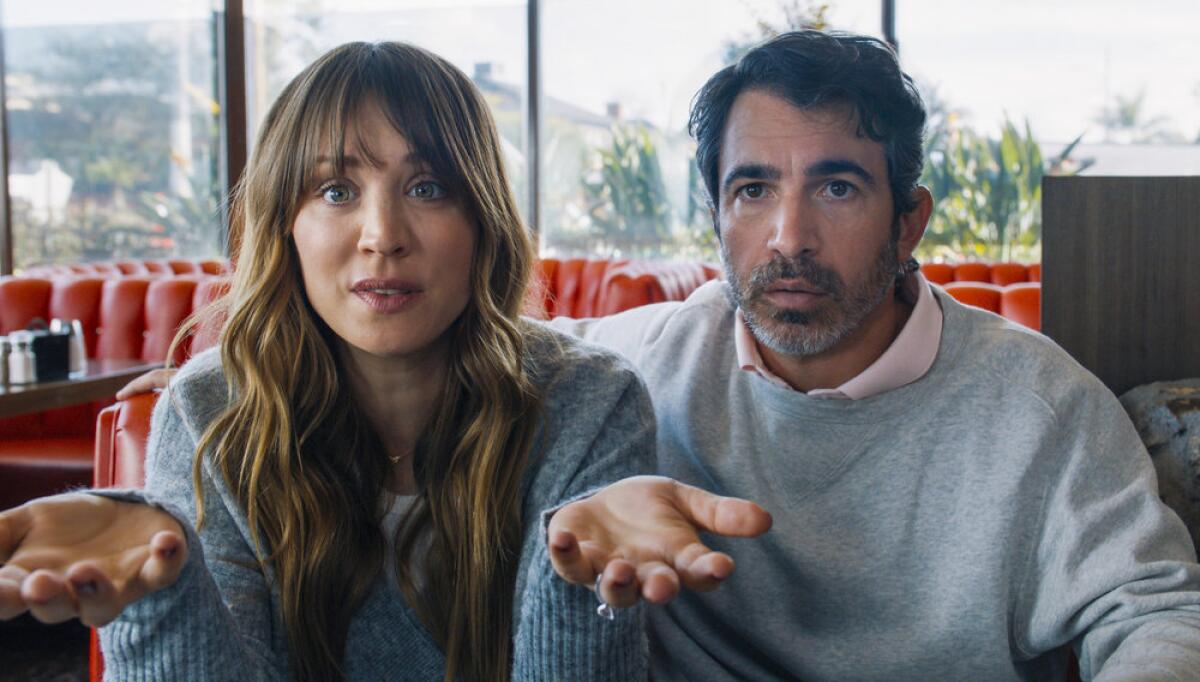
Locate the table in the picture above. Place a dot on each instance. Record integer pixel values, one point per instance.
(101, 380)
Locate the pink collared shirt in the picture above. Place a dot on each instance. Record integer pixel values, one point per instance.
(908, 358)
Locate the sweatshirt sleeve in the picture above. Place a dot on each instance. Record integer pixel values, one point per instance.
(1114, 570)
(609, 422)
(215, 622)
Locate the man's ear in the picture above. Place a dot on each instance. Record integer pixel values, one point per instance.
(912, 223)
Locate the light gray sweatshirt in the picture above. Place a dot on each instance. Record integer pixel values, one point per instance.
(221, 619)
(967, 526)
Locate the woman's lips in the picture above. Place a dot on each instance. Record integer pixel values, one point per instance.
(386, 296)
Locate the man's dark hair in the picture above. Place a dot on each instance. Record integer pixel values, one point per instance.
(816, 69)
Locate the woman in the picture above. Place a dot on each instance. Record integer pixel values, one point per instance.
(351, 487)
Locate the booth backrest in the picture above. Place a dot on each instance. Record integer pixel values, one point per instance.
(1000, 274)
(131, 268)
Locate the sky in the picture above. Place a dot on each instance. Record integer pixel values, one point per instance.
(1053, 62)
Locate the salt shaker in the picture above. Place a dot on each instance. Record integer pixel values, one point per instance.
(4, 346)
(21, 366)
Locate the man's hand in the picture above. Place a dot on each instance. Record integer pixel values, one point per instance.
(155, 379)
(84, 556)
(642, 534)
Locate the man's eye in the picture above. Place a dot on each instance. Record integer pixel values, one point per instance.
(840, 189)
(752, 191)
(427, 190)
(335, 194)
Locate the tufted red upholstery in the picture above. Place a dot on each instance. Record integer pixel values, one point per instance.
(121, 433)
(79, 299)
(21, 300)
(1035, 272)
(208, 331)
(636, 283)
(1022, 303)
(973, 272)
(168, 302)
(938, 273)
(1004, 274)
(978, 294)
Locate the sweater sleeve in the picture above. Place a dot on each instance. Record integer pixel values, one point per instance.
(560, 636)
(1114, 569)
(215, 622)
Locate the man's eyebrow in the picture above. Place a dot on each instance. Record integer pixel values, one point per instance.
(750, 171)
(828, 167)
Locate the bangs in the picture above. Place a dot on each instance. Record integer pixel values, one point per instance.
(415, 103)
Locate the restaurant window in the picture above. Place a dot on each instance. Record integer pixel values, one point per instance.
(484, 38)
(618, 77)
(1098, 88)
(112, 130)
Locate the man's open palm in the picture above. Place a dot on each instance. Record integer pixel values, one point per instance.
(642, 535)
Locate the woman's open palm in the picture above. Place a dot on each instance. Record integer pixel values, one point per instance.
(84, 556)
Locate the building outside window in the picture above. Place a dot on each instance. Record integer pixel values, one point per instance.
(112, 131)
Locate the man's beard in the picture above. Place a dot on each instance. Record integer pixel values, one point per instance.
(805, 333)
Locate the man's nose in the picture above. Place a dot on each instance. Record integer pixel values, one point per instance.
(384, 228)
(795, 230)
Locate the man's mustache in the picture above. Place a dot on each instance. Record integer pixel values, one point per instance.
(818, 277)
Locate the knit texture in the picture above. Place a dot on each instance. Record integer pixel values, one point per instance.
(221, 619)
(967, 526)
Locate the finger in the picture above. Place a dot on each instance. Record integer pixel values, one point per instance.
(14, 524)
(659, 582)
(12, 604)
(154, 379)
(168, 553)
(48, 597)
(706, 572)
(568, 559)
(721, 515)
(619, 586)
(95, 595)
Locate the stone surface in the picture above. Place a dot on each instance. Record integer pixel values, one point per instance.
(1167, 416)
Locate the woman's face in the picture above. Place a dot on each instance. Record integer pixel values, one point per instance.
(385, 250)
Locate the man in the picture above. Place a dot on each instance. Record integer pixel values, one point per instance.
(953, 497)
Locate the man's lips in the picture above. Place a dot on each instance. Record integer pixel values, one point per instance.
(793, 294)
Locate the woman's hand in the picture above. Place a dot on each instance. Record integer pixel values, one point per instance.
(642, 534)
(85, 556)
(155, 379)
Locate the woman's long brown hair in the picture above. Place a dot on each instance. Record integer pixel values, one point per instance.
(293, 446)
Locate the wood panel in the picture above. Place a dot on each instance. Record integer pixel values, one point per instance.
(1121, 275)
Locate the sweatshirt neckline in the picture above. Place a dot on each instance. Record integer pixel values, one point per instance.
(884, 406)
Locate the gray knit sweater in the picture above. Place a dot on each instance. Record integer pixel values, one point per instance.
(968, 526)
(221, 619)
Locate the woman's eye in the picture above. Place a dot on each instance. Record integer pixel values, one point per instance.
(427, 189)
(336, 194)
(839, 189)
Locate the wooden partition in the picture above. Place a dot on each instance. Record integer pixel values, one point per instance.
(1121, 275)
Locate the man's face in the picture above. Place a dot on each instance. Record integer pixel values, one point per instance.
(806, 221)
